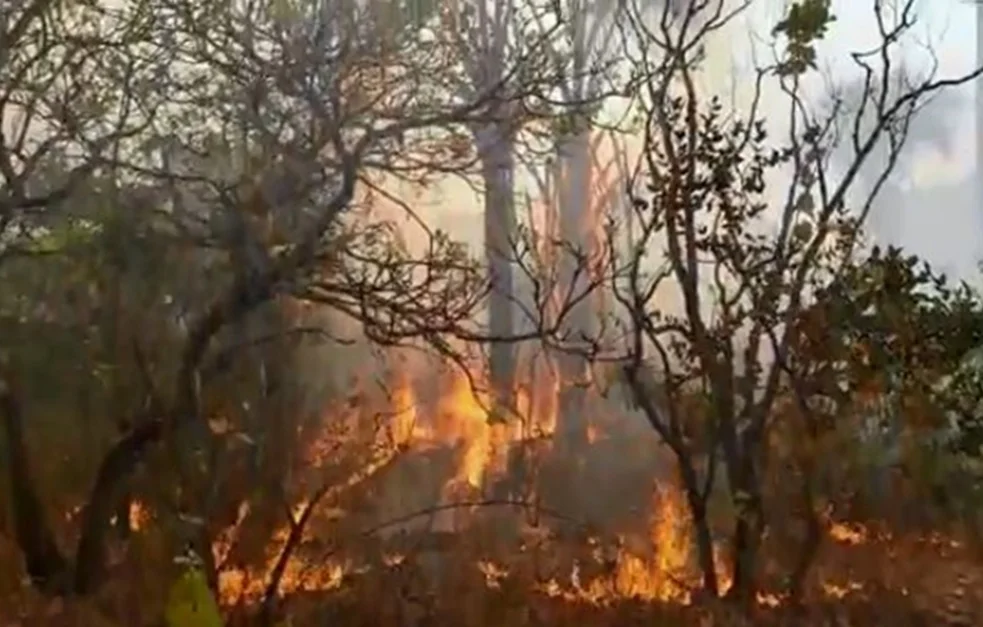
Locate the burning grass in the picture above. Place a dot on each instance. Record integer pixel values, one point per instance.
(471, 559)
(405, 510)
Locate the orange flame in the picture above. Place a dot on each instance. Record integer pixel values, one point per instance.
(140, 515)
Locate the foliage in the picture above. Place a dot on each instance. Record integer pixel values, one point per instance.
(890, 316)
(753, 276)
(805, 23)
(889, 348)
(171, 256)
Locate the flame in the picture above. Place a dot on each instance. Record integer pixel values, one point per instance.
(462, 418)
(593, 433)
(671, 536)
(494, 573)
(225, 539)
(404, 427)
(848, 534)
(657, 565)
(537, 403)
(725, 575)
(664, 571)
(140, 515)
(769, 599)
(238, 585)
(841, 590)
(662, 576)
(248, 585)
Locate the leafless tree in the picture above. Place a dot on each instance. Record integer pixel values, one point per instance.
(585, 57)
(487, 35)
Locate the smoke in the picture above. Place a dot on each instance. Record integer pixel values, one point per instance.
(929, 206)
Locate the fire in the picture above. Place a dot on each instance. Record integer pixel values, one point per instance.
(593, 433)
(657, 564)
(462, 415)
(848, 534)
(769, 599)
(237, 585)
(660, 576)
(839, 591)
(245, 585)
(537, 404)
(494, 573)
(140, 515)
(460, 418)
(671, 537)
(224, 541)
(404, 426)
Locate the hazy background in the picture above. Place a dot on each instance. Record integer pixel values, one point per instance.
(929, 206)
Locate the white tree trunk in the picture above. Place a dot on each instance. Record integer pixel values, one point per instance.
(593, 33)
(577, 227)
(496, 152)
(483, 31)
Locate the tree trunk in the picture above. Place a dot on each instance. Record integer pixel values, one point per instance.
(807, 552)
(115, 468)
(701, 527)
(149, 429)
(243, 297)
(748, 532)
(45, 563)
(271, 594)
(740, 454)
(814, 528)
(495, 148)
(745, 559)
(576, 229)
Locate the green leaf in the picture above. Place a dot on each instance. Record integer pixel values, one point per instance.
(805, 23)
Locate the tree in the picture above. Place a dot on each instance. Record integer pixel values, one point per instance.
(899, 333)
(742, 269)
(276, 114)
(584, 57)
(867, 359)
(486, 36)
(58, 66)
(72, 94)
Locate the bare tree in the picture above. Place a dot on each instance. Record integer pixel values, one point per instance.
(584, 60)
(711, 373)
(561, 272)
(488, 36)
